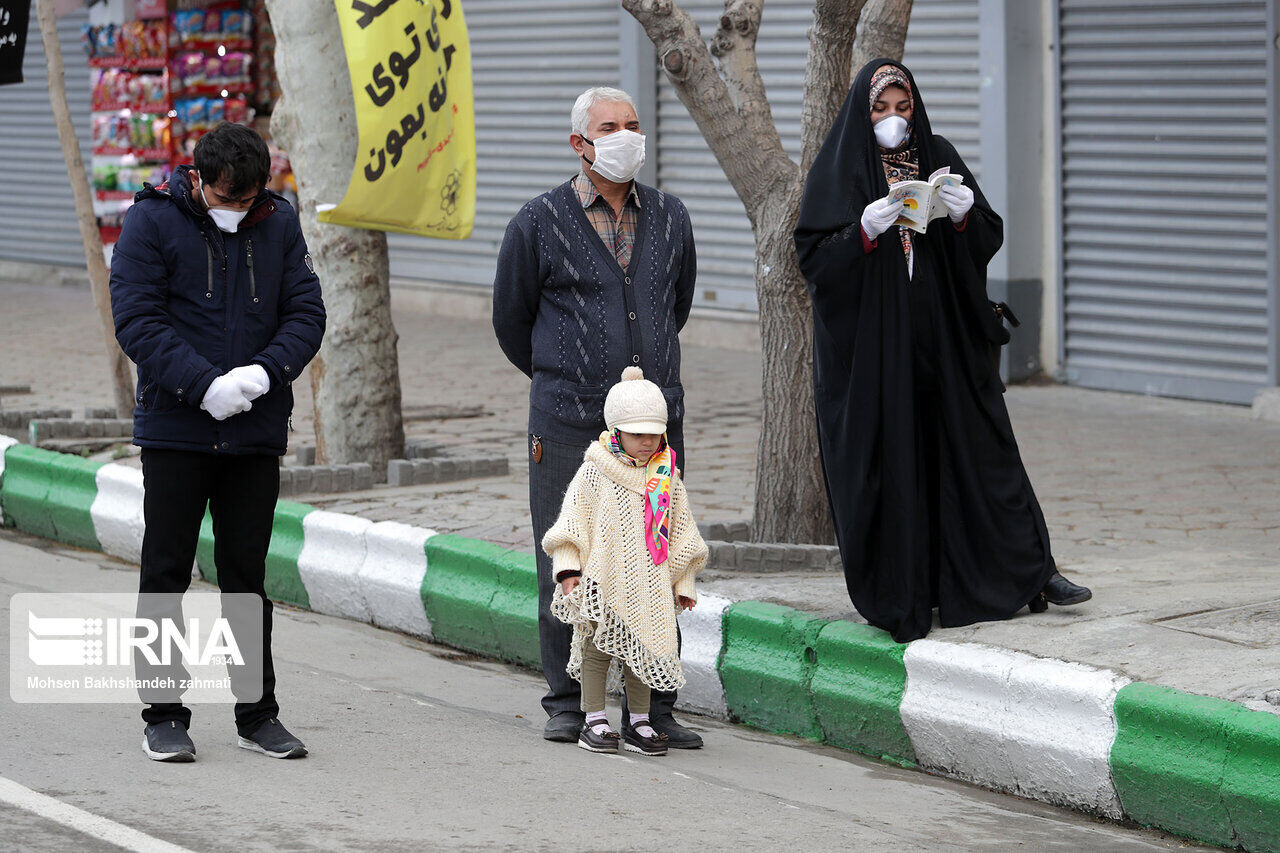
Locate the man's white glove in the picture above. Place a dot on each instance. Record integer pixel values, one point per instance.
(878, 216)
(958, 201)
(255, 374)
(227, 396)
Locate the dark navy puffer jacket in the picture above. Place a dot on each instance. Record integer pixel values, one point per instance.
(191, 302)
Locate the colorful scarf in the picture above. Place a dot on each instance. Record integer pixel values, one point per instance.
(901, 163)
(657, 492)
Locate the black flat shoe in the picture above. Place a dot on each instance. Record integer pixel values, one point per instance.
(564, 727)
(1063, 592)
(678, 737)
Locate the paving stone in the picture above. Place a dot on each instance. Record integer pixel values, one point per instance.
(364, 476)
(400, 472)
(322, 480)
(302, 480)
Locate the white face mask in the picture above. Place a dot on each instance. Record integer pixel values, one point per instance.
(226, 220)
(891, 131)
(619, 155)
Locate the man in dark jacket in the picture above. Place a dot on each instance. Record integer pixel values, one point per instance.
(215, 299)
(594, 276)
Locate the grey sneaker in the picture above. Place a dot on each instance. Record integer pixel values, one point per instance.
(168, 742)
(273, 739)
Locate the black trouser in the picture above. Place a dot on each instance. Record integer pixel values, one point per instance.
(548, 482)
(241, 493)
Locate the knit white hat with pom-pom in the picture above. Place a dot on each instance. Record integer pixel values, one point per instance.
(636, 405)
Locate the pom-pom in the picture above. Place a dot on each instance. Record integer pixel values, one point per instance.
(632, 373)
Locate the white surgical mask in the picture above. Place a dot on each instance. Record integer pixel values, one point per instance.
(891, 131)
(226, 220)
(619, 155)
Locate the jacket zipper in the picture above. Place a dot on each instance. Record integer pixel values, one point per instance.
(208, 253)
(142, 395)
(253, 282)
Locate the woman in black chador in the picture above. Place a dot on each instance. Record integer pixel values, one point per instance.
(931, 502)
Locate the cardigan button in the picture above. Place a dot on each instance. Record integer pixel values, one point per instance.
(635, 359)
(627, 279)
(632, 315)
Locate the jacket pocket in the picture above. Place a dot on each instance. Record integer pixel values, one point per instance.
(580, 405)
(147, 395)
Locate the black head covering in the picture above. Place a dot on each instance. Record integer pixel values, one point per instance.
(848, 166)
(996, 556)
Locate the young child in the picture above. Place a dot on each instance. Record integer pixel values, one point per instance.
(625, 550)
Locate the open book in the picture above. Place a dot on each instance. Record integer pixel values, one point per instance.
(920, 202)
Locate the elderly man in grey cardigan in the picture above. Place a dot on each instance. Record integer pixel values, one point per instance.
(594, 276)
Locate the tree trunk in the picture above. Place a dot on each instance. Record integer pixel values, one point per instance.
(730, 108)
(883, 31)
(356, 376)
(791, 502)
(99, 277)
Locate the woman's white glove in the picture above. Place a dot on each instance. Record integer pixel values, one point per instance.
(878, 216)
(958, 201)
(227, 396)
(256, 374)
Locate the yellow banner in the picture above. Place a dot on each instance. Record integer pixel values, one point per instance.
(410, 65)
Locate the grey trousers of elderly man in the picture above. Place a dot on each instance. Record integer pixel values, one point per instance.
(548, 481)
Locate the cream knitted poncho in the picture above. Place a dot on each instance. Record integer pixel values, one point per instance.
(601, 533)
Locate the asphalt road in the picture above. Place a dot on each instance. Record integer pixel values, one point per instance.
(419, 747)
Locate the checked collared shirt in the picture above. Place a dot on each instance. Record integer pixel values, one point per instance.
(617, 231)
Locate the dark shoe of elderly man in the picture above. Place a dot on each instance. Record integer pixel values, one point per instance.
(564, 727)
(678, 737)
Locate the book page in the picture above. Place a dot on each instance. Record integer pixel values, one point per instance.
(942, 178)
(916, 198)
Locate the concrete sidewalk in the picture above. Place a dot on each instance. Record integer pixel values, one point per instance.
(1147, 495)
(1168, 509)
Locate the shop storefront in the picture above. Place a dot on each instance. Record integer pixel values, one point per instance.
(1130, 148)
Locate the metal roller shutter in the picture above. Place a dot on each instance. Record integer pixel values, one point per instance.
(1165, 290)
(942, 53)
(37, 214)
(528, 63)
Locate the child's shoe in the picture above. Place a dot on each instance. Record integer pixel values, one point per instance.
(598, 738)
(633, 741)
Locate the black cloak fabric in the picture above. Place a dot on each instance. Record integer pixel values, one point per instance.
(991, 553)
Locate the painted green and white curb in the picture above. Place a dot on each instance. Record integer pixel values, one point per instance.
(1030, 726)
(1051, 730)
(5, 443)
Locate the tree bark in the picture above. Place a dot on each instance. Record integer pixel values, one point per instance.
(356, 376)
(883, 32)
(732, 112)
(99, 277)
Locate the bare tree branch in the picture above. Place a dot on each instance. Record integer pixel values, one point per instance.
(827, 73)
(734, 45)
(752, 165)
(884, 30)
